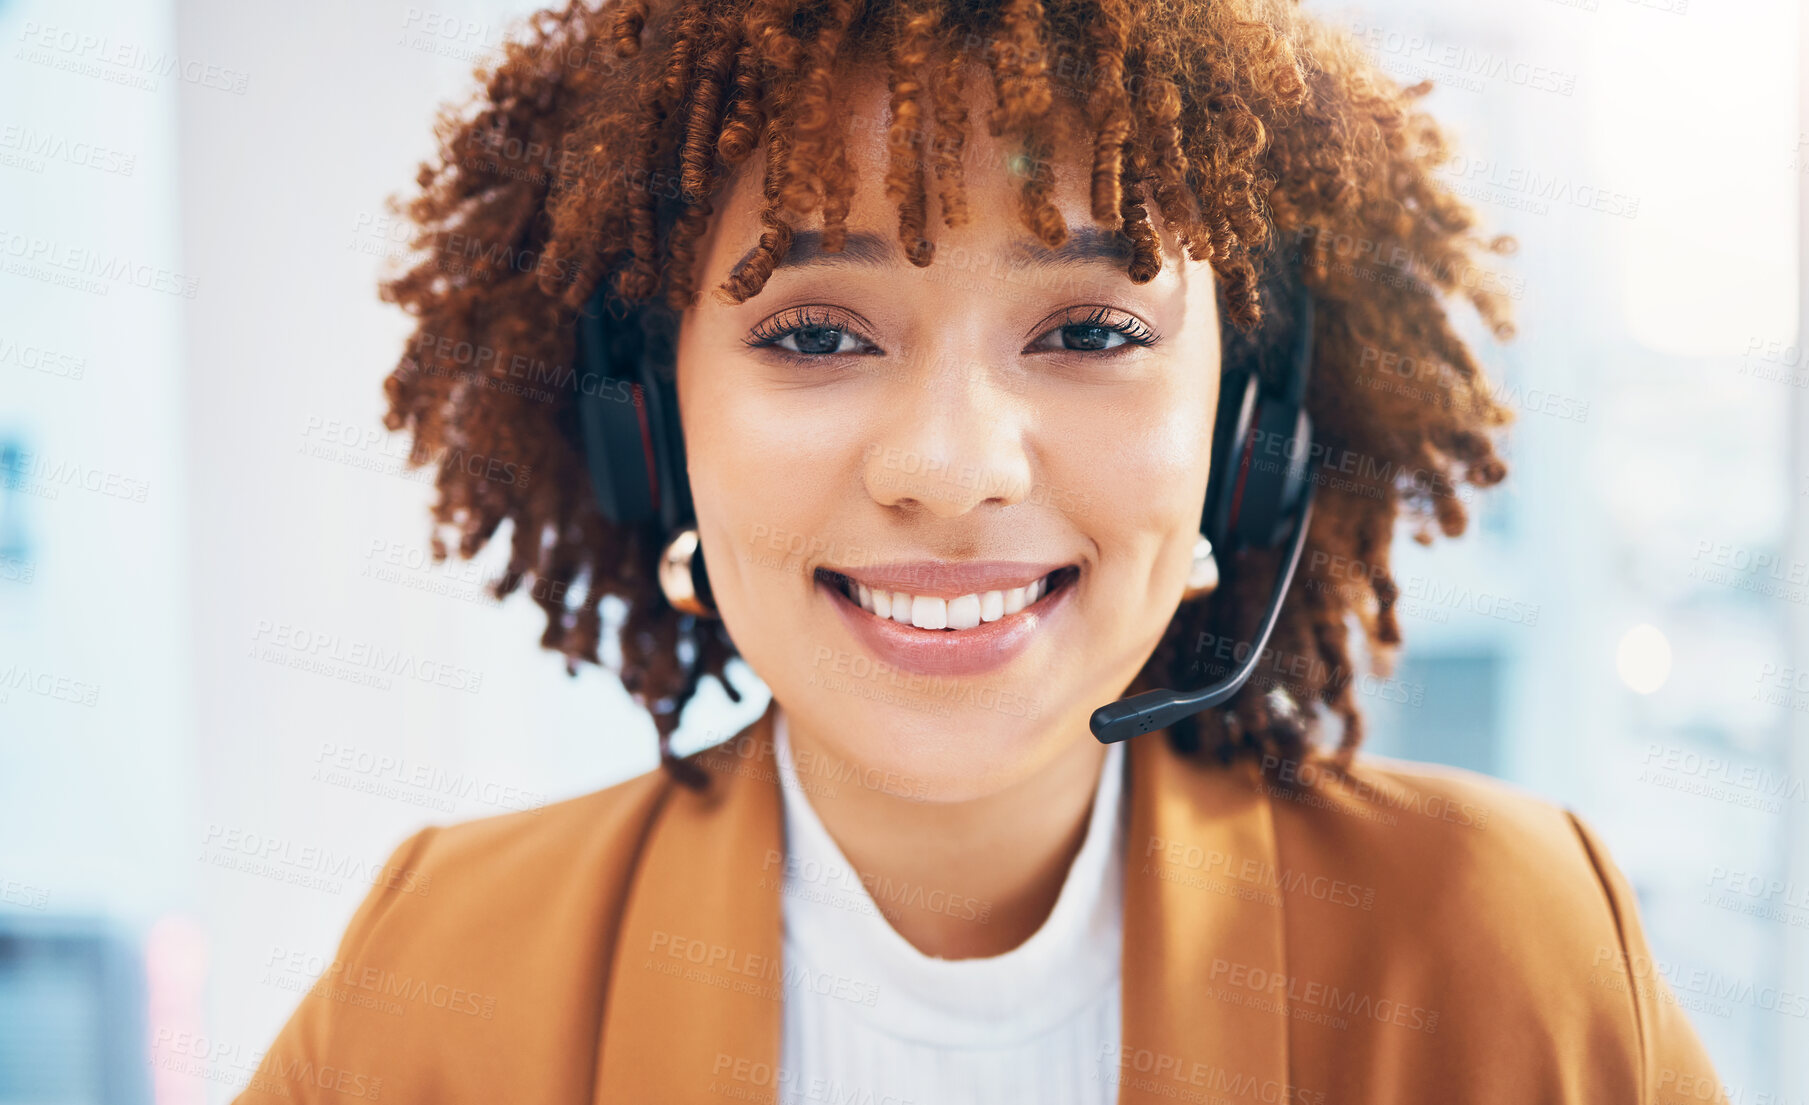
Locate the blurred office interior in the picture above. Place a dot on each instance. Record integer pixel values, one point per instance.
(1622, 631)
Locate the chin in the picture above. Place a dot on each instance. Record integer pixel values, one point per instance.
(922, 747)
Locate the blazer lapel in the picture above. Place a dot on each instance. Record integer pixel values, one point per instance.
(693, 1008)
(1205, 974)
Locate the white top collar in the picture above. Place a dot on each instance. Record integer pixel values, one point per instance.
(833, 926)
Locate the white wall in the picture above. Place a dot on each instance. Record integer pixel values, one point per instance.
(283, 217)
(98, 611)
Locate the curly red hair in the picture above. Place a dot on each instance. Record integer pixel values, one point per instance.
(1258, 134)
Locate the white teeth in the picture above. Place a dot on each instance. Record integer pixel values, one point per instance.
(1014, 600)
(929, 613)
(964, 612)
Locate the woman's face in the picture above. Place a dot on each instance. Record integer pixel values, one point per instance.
(1003, 416)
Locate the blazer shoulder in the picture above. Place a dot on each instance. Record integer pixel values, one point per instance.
(498, 873)
(1510, 909)
(1477, 851)
(1392, 793)
(519, 844)
(476, 938)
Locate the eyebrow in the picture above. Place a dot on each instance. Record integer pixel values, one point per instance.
(1086, 245)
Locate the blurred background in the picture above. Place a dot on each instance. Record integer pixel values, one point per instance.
(203, 525)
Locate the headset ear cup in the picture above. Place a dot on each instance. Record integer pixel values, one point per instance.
(1300, 464)
(675, 510)
(613, 422)
(1277, 462)
(1238, 394)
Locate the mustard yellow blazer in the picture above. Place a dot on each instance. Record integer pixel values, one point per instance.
(1403, 935)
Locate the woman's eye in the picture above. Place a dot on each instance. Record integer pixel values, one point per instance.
(809, 332)
(1091, 337)
(818, 339)
(1099, 331)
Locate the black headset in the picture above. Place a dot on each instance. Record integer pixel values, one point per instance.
(1259, 495)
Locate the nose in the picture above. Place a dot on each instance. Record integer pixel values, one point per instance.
(954, 437)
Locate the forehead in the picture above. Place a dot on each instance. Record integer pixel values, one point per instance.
(994, 170)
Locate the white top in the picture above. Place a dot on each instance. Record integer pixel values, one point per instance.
(870, 1020)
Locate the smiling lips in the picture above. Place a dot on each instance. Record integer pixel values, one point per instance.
(948, 618)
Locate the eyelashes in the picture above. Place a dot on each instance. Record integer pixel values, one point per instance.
(812, 324)
(817, 331)
(1103, 320)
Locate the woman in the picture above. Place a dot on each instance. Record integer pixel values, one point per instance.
(949, 396)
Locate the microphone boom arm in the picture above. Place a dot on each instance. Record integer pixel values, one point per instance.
(1141, 713)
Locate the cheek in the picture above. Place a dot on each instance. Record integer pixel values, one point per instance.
(724, 466)
(764, 482)
(1141, 467)
(759, 459)
(727, 452)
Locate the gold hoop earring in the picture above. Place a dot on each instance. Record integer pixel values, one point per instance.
(1203, 577)
(676, 578)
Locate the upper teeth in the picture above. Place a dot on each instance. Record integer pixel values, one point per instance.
(964, 612)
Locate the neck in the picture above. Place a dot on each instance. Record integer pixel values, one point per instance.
(1003, 856)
